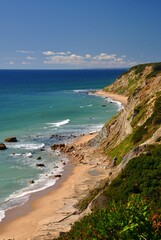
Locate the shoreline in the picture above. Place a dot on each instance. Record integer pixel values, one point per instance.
(51, 211)
(46, 215)
(116, 97)
(18, 211)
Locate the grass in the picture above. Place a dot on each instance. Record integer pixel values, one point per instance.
(156, 69)
(139, 113)
(82, 205)
(119, 151)
(140, 133)
(141, 175)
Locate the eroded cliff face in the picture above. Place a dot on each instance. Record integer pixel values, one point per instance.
(142, 86)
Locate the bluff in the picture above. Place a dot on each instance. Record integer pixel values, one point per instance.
(131, 142)
(139, 123)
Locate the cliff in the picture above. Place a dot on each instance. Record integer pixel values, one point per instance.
(139, 122)
(131, 144)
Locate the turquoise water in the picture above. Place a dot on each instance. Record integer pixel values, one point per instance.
(40, 108)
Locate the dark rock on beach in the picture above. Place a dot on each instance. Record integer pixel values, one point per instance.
(42, 149)
(31, 181)
(2, 146)
(40, 165)
(11, 139)
(58, 175)
(58, 146)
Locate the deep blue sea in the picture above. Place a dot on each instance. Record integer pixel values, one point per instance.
(40, 108)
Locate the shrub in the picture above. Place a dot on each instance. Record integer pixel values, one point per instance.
(141, 175)
(120, 221)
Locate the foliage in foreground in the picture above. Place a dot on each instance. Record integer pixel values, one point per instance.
(122, 221)
(133, 204)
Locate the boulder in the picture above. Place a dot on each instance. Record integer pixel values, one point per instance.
(38, 158)
(58, 175)
(40, 165)
(2, 146)
(58, 146)
(11, 139)
(31, 181)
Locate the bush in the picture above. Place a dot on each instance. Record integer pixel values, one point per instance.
(141, 175)
(155, 71)
(120, 221)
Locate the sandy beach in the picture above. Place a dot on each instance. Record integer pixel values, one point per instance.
(113, 96)
(53, 211)
(46, 216)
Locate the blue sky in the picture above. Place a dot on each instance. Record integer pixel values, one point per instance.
(71, 34)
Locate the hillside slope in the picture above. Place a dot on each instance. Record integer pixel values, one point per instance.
(131, 141)
(139, 122)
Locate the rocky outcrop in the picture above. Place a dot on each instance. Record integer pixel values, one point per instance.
(11, 139)
(2, 146)
(58, 146)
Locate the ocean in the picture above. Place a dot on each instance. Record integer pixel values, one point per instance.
(41, 108)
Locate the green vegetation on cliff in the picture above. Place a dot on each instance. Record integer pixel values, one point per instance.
(140, 133)
(145, 131)
(131, 221)
(142, 175)
(131, 81)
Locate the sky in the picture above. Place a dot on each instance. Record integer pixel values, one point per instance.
(79, 34)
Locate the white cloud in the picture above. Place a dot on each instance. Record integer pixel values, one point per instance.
(24, 51)
(48, 53)
(102, 60)
(25, 63)
(51, 53)
(61, 53)
(104, 56)
(70, 59)
(30, 58)
(88, 56)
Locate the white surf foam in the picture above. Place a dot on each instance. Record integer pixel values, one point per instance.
(44, 181)
(58, 124)
(2, 215)
(25, 155)
(81, 91)
(28, 146)
(119, 104)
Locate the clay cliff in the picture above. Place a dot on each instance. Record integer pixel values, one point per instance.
(139, 123)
